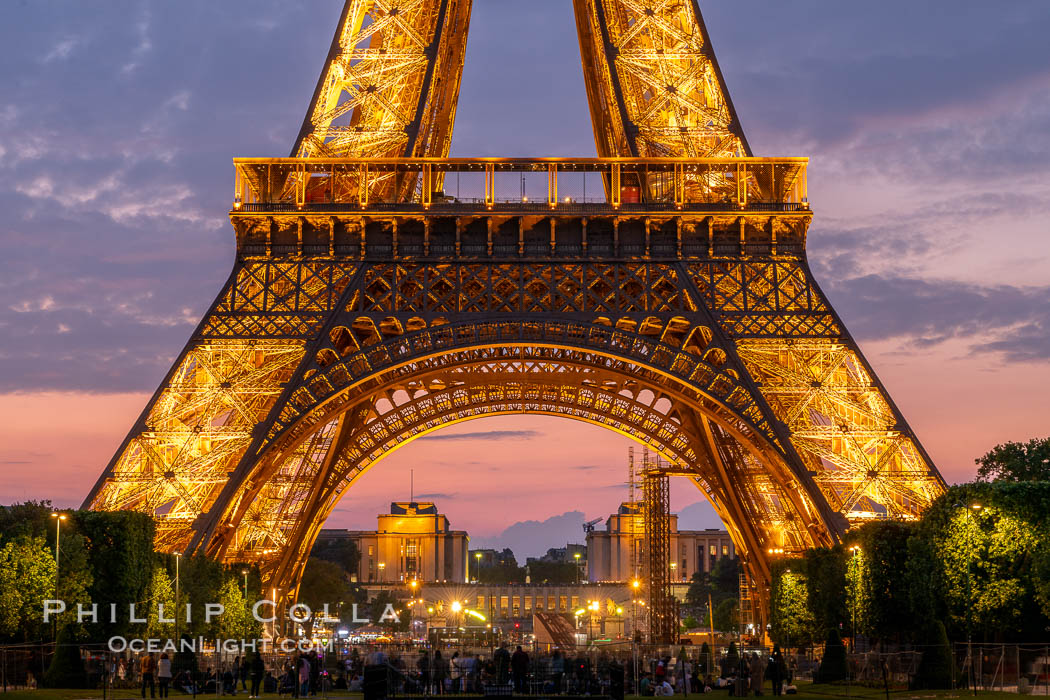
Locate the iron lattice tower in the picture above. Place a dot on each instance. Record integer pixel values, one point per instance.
(663, 607)
(366, 308)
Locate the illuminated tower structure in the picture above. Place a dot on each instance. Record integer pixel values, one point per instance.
(367, 307)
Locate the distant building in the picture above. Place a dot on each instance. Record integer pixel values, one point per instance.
(413, 542)
(564, 555)
(492, 557)
(615, 554)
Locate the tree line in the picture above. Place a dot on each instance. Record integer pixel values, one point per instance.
(976, 564)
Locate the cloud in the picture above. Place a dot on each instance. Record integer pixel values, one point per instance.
(1011, 321)
(436, 495)
(699, 516)
(61, 50)
(486, 435)
(532, 538)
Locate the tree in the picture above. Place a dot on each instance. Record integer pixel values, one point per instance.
(342, 552)
(727, 618)
(826, 586)
(504, 573)
(236, 621)
(161, 592)
(790, 616)
(322, 582)
(67, 666)
(1016, 461)
(29, 519)
(563, 572)
(985, 558)
(200, 580)
(120, 552)
(27, 579)
(879, 572)
(721, 582)
(731, 663)
(378, 606)
(705, 658)
(936, 668)
(833, 665)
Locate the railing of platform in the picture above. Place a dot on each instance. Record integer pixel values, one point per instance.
(323, 184)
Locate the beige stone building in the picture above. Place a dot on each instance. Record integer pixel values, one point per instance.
(413, 541)
(615, 554)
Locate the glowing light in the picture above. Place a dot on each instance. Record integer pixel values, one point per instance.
(456, 606)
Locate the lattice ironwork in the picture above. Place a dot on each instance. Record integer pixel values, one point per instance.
(656, 518)
(366, 309)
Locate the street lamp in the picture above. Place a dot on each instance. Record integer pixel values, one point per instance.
(674, 565)
(58, 532)
(974, 507)
(178, 558)
(382, 572)
(245, 572)
(477, 570)
(576, 556)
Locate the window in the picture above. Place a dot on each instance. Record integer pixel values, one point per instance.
(725, 550)
(504, 603)
(564, 607)
(481, 604)
(517, 606)
(714, 550)
(371, 550)
(576, 602)
(528, 604)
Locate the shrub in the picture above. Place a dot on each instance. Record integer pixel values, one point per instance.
(833, 666)
(936, 668)
(67, 668)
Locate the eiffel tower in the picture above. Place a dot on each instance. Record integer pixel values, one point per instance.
(369, 306)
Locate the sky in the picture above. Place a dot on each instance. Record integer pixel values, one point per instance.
(927, 125)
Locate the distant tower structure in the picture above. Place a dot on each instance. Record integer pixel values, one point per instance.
(663, 607)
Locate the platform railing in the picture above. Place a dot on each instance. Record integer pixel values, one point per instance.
(502, 184)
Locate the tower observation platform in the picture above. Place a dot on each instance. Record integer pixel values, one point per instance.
(650, 208)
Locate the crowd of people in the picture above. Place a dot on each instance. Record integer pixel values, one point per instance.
(748, 673)
(454, 671)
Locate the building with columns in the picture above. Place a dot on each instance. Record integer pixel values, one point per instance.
(413, 541)
(616, 553)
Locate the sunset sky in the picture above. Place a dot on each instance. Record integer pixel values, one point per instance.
(928, 126)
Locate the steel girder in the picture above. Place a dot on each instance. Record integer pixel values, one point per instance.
(390, 84)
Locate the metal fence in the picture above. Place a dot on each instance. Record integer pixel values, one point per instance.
(596, 670)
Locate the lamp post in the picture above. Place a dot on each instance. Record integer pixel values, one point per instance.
(58, 532)
(969, 594)
(576, 556)
(674, 567)
(382, 571)
(178, 558)
(477, 569)
(245, 572)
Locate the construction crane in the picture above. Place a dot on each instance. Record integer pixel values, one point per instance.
(588, 527)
